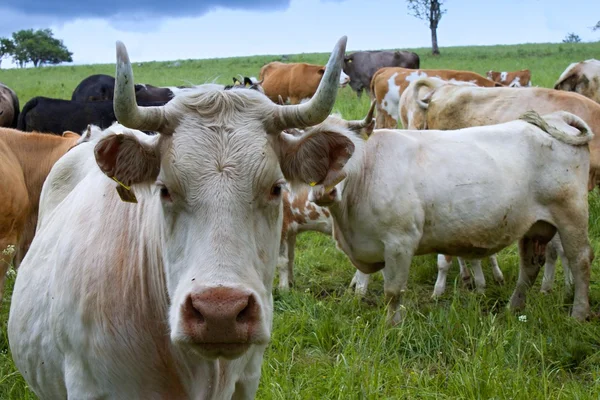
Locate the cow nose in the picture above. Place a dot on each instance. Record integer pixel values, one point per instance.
(221, 316)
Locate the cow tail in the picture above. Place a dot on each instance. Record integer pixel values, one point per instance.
(16, 108)
(22, 123)
(583, 137)
(423, 103)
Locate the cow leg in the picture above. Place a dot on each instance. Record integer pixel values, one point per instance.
(530, 262)
(444, 263)
(282, 265)
(360, 282)
(291, 244)
(395, 278)
(465, 273)
(549, 266)
(579, 255)
(496, 271)
(565, 263)
(478, 275)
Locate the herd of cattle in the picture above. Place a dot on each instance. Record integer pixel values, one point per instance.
(146, 248)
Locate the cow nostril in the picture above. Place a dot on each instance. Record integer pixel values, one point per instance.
(197, 315)
(247, 313)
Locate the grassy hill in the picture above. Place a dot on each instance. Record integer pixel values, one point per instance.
(327, 344)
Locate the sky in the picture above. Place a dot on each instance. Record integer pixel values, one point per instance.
(160, 30)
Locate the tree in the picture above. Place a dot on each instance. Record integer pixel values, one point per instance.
(430, 11)
(39, 47)
(572, 38)
(7, 47)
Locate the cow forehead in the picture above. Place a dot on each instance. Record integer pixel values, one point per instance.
(235, 158)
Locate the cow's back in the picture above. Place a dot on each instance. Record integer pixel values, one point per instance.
(455, 107)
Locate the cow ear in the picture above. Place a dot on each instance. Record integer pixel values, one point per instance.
(70, 134)
(127, 160)
(315, 158)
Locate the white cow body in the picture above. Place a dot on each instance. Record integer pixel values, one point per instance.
(513, 182)
(168, 297)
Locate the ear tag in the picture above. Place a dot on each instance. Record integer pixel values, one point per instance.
(312, 183)
(125, 192)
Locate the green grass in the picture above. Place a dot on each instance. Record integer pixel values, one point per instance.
(327, 344)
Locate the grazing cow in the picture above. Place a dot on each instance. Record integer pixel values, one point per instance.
(43, 114)
(431, 103)
(25, 161)
(152, 277)
(530, 182)
(294, 82)
(246, 83)
(582, 77)
(299, 215)
(360, 66)
(101, 87)
(9, 107)
(511, 79)
(388, 84)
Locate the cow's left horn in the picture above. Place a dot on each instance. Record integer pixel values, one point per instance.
(126, 109)
(317, 109)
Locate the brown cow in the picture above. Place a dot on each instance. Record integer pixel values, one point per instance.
(9, 107)
(25, 161)
(299, 215)
(294, 82)
(582, 77)
(512, 79)
(389, 83)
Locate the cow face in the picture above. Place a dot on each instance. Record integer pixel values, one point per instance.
(215, 171)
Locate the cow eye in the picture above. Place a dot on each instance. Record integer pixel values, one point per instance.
(276, 190)
(165, 195)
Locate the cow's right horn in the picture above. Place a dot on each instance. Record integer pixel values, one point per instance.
(317, 109)
(127, 111)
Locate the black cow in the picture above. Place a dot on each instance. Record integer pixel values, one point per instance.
(43, 114)
(102, 87)
(360, 66)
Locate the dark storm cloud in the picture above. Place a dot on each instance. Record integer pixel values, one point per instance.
(70, 9)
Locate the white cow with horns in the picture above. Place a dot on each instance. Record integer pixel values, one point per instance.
(169, 297)
(523, 181)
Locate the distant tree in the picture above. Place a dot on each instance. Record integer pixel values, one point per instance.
(39, 47)
(430, 11)
(572, 38)
(7, 47)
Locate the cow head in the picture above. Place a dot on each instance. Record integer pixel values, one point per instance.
(216, 171)
(351, 72)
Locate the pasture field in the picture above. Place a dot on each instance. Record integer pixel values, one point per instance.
(327, 344)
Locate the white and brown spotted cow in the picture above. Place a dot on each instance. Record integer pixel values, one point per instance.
(299, 215)
(512, 78)
(389, 83)
(582, 77)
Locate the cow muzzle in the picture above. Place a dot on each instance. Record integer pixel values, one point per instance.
(221, 322)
